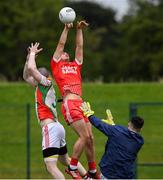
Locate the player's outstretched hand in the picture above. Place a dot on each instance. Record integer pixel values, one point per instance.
(86, 108)
(109, 118)
(82, 24)
(69, 25)
(34, 48)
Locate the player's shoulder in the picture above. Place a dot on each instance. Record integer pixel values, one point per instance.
(56, 59)
(120, 128)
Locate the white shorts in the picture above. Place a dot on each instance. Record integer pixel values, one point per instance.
(53, 140)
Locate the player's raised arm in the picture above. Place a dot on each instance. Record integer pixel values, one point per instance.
(32, 68)
(25, 70)
(104, 127)
(26, 74)
(62, 41)
(79, 41)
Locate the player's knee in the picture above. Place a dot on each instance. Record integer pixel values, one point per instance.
(54, 171)
(49, 168)
(90, 140)
(84, 138)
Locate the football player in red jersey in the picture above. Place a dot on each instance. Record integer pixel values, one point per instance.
(53, 133)
(67, 74)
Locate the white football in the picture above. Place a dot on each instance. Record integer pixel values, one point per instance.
(67, 15)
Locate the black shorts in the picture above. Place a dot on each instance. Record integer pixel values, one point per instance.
(54, 151)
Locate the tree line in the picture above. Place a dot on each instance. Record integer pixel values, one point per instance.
(114, 51)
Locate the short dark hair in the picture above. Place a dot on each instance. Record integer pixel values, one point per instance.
(137, 122)
(44, 71)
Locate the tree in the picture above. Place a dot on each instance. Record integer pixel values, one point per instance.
(28, 21)
(21, 23)
(141, 43)
(113, 51)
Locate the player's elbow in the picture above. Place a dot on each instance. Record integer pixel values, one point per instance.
(25, 75)
(26, 78)
(61, 44)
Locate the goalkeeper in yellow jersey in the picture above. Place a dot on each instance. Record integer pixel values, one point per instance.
(122, 146)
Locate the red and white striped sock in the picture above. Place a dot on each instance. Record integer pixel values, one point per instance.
(73, 163)
(92, 167)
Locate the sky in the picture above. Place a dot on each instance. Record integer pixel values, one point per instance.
(120, 6)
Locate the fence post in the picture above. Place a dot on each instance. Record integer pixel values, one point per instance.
(28, 140)
(133, 110)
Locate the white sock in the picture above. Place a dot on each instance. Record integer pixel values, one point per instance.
(73, 167)
(93, 171)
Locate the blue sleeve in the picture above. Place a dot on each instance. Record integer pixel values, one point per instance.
(107, 129)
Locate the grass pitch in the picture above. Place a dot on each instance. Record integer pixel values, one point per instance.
(117, 97)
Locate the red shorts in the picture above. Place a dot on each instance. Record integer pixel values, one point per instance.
(71, 111)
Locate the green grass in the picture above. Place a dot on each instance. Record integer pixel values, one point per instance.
(117, 97)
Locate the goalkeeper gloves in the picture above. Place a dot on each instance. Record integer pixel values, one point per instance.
(86, 108)
(109, 118)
